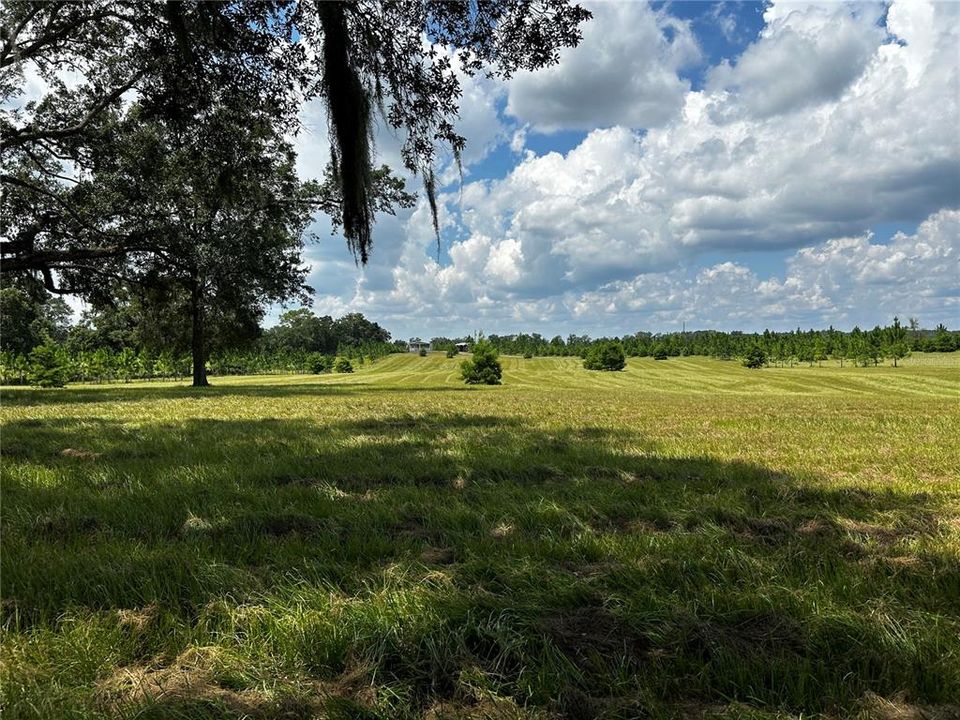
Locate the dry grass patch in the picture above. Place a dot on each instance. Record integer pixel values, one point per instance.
(188, 679)
(875, 707)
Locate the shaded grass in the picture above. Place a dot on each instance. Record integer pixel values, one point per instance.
(395, 546)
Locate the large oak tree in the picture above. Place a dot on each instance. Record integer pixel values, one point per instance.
(217, 207)
(86, 174)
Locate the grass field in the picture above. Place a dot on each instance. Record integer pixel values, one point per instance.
(683, 539)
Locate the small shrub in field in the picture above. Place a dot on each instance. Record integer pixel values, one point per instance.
(342, 365)
(605, 356)
(755, 358)
(484, 368)
(659, 353)
(527, 355)
(319, 363)
(46, 369)
(452, 353)
(423, 352)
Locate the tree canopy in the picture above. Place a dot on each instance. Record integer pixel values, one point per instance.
(179, 60)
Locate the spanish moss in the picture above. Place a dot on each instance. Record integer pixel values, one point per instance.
(351, 130)
(430, 187)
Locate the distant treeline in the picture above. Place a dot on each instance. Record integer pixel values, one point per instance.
(863, 347)
(39, 344)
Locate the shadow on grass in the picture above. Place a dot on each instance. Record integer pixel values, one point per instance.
(582, 557)
(165, 390)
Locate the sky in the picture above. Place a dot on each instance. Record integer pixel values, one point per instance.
(714, 165)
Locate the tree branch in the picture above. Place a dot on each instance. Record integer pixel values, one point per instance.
(25, 135)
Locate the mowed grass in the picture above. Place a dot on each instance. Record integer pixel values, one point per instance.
(685, 538)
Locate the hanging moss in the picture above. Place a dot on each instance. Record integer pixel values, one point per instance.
(351, 130)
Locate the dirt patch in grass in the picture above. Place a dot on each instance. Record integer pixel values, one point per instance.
(881, 534)
(885, 536)
(11, 451)
(263, 524)
(533, 475)
(282, 524)
(766, 530)
(599, 473)
(640, 522)
(80, 454)
(588, 571)
(58, 525)
(413, 528)
(8, 606)
(693, 710)
(874, 707)
(437, 556)
(483, 709)
(817, 528)
(589, 632)
(766, 633)
(294, 480)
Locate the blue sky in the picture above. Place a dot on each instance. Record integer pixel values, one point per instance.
(726, 165)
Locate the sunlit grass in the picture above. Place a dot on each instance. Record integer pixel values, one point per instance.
(684, 537)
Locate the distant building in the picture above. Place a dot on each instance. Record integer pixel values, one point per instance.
(463, 347)
(416, 345)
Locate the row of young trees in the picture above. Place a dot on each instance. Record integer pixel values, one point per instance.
(865, 347)
(134, 339)
(51, 365)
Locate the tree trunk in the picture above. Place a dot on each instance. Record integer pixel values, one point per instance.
(197, 344)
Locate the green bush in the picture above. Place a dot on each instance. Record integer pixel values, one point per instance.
(484, 368)
(755, 358)
(659, 352)
(319, 363)
(47, 367)
(528, 355)
(605, 356)
(342, 365)
(423, 352)
(452, 353)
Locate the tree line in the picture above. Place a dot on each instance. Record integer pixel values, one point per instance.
(137, 336)
(133, 340)
(856, 346)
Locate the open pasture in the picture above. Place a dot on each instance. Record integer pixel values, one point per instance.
(683, 539)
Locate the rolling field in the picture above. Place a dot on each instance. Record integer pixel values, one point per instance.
(683, 539)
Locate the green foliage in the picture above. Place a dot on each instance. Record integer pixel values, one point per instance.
(30, 317)
(452, 353)
(319, 363)
(782, 348)
(607, 356)
(260, 58)
(423, 352)
(755, 358)
(528, 355)
(484, 368)
(342, 365)
(46, 367)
